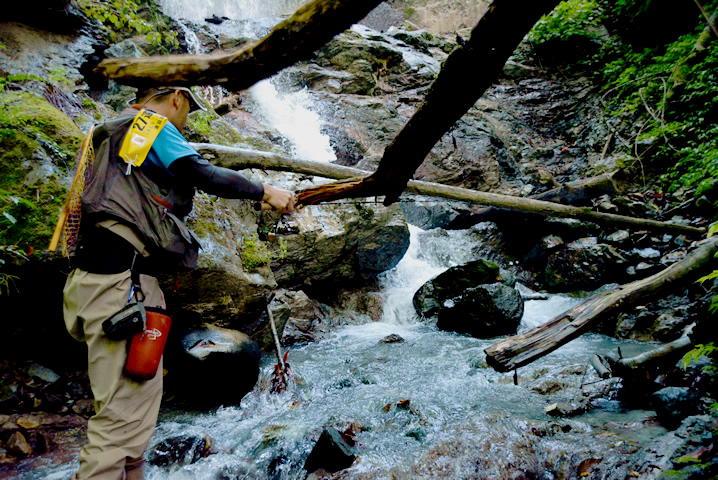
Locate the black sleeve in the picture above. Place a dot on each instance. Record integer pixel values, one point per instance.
(214, 180)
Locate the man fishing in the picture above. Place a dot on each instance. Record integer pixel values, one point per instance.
(133, 207)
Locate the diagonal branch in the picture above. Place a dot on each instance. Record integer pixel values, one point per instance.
(311, 26)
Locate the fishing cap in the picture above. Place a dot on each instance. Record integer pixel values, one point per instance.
(148, 93)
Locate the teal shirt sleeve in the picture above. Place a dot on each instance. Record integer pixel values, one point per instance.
(169, 146)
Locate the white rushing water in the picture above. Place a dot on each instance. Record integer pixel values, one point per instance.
(290, 113)
(232, 9)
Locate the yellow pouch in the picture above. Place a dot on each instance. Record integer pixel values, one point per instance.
(140, 137)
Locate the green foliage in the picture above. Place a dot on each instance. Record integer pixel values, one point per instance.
(568, 19)
(8, 255)
(19, 78)
(122, 17)
(254, 254)
(670, 93)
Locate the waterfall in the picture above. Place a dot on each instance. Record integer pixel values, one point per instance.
(233, 9)
(292, 114)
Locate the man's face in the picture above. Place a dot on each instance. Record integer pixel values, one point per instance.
(182, 106)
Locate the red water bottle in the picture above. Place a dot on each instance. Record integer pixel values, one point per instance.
(147, 346)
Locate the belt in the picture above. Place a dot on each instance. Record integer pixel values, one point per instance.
(101, 251)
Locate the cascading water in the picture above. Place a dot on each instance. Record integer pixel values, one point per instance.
(351, 378)
(290, 113)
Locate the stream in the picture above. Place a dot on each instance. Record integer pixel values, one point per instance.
(352, 379)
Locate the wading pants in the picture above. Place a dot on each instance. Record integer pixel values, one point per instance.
(125, 410)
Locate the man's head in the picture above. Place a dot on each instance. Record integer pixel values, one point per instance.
(175, 103)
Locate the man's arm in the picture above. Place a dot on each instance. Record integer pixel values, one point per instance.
(227, 183)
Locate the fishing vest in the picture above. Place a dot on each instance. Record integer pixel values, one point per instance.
(148, 199)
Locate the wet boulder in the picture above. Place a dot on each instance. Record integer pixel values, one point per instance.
(485, 311)
(432, 296)
(183, 449)
(212, 365)
(673, 404)
(583, 264)
(340, 242)
(332, 452)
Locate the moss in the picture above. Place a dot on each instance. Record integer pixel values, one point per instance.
(36, 141)
(35, 115)
(254, 254)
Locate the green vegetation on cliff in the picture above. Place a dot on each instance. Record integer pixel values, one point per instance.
(658, 64)
(37, 143)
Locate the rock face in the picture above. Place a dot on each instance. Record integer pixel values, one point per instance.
(339, 244)
(583, 264)
(212, 365)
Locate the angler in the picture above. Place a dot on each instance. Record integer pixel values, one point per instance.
(133, 204)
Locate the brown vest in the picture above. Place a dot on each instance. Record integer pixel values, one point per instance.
(149, 199)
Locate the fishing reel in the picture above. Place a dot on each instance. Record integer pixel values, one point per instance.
(283, 227)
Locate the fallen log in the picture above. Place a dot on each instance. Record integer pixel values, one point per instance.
(611, 365)
(294, 39)
(354, 180)
(528, 346)
(570, 193)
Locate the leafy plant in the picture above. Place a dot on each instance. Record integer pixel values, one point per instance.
(569, 18)
(9, 253)
(121, 16)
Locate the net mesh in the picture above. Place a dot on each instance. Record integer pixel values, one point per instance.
(73, 208)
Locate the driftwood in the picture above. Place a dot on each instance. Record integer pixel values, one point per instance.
(528, 346)
(294, 39)
(237, 159)
(617, 366)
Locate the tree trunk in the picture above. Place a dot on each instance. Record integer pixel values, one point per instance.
(352, 178)
(533, 344)
(311, 26)
(465, 75)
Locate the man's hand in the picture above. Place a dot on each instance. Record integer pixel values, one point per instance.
(279, 199)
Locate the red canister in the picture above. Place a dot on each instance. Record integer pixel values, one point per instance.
(147, 346)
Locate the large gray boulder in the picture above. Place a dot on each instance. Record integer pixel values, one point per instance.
(454, 282)
(485, 311)
(339, 243)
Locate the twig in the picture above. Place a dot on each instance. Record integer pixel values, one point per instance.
(709, 19)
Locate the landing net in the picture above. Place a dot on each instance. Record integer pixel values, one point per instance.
(68, 226)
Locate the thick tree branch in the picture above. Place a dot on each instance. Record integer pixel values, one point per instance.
(465, 75)
(311, 26)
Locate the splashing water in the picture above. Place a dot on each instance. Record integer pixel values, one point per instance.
(233, 9)
(290, 115)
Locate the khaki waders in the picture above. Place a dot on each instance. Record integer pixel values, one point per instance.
(125, 410)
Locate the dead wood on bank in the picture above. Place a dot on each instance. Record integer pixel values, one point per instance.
(533, 344)
(352, 179)
(611, 365)
(294, 39)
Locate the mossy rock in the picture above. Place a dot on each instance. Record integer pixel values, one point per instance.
(37, 145)
(208, 127)
(33, 114)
